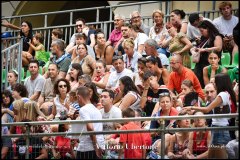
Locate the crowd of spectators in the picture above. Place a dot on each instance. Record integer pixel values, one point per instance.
(137, 71)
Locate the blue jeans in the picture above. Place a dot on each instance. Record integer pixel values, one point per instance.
(220, 137)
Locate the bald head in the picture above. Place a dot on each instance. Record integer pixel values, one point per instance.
(177, 58)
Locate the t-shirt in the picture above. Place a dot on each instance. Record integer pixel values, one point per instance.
(47, 91)
(115, 36)
(113, 80)
(194, 32)
(35, 85)
(114, 112)
(63, 145)
(225, 27)
(140, 39)
(175, 81)
(135, 142)
(133, 63)
(88, 112)
(225, 96)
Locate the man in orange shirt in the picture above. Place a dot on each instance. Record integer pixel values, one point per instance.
(180, 73)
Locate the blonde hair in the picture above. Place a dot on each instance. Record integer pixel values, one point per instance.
(157, 11)
(128, 42)
(18, 107)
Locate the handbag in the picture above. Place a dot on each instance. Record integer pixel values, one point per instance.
(196, 54)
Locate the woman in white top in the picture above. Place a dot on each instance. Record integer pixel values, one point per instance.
(131, 57)
(130, 95)
(139, 38)
(224, 103)
(60, 102)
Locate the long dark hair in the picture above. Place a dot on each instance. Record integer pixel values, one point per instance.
(78, 67)
(155, 60)
(128, 85)
(30, 34)
(212, 31)
(7, 93)
(95, 96)
(223, 83)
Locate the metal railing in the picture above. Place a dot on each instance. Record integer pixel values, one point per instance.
(106, 26)
(162, 128)
(11, 57)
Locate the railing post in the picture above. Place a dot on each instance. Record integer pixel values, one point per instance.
(7, 68)
(45, 25)
(27, 141)
(110, 19)
(162, 124)
(19, 57)
(97, 15)
(70, 29)
(198, 6)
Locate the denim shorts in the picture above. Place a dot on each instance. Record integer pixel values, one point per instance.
(220, 137)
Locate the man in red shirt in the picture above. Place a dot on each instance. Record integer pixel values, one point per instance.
(180, 73)
(133, 145)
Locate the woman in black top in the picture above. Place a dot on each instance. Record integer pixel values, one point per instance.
(213, 40)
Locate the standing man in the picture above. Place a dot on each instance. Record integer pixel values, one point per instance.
(90, 146)
(34, 83)
(193, 32)
(61, 58)
(116, 34)
(136, 19)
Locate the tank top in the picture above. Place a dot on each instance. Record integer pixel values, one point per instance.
(209, 69)
(135, 105)
(179, 147)
(97, 58)
(201, 147)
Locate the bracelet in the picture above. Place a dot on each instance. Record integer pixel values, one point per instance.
(145, 88)
(144, 96)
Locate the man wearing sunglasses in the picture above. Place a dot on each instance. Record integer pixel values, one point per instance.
(82, 28)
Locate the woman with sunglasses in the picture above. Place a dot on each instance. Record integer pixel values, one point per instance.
(101, 49)
(60, 102)
(85, 60)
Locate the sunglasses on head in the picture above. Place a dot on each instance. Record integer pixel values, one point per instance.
(164, 94)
